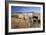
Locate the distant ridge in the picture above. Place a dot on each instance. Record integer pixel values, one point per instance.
(24, 12)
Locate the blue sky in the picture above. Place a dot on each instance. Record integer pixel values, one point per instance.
(25, 9)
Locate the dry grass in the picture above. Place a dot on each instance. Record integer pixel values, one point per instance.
(17, 22)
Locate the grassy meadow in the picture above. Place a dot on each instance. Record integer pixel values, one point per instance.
(22, 21)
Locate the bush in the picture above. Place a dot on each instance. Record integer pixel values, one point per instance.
(16, 16)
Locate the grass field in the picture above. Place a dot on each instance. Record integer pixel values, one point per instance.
(19, 22)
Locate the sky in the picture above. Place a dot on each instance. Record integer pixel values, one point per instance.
(25, 9)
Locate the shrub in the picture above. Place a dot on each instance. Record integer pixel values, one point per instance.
(16, 16)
